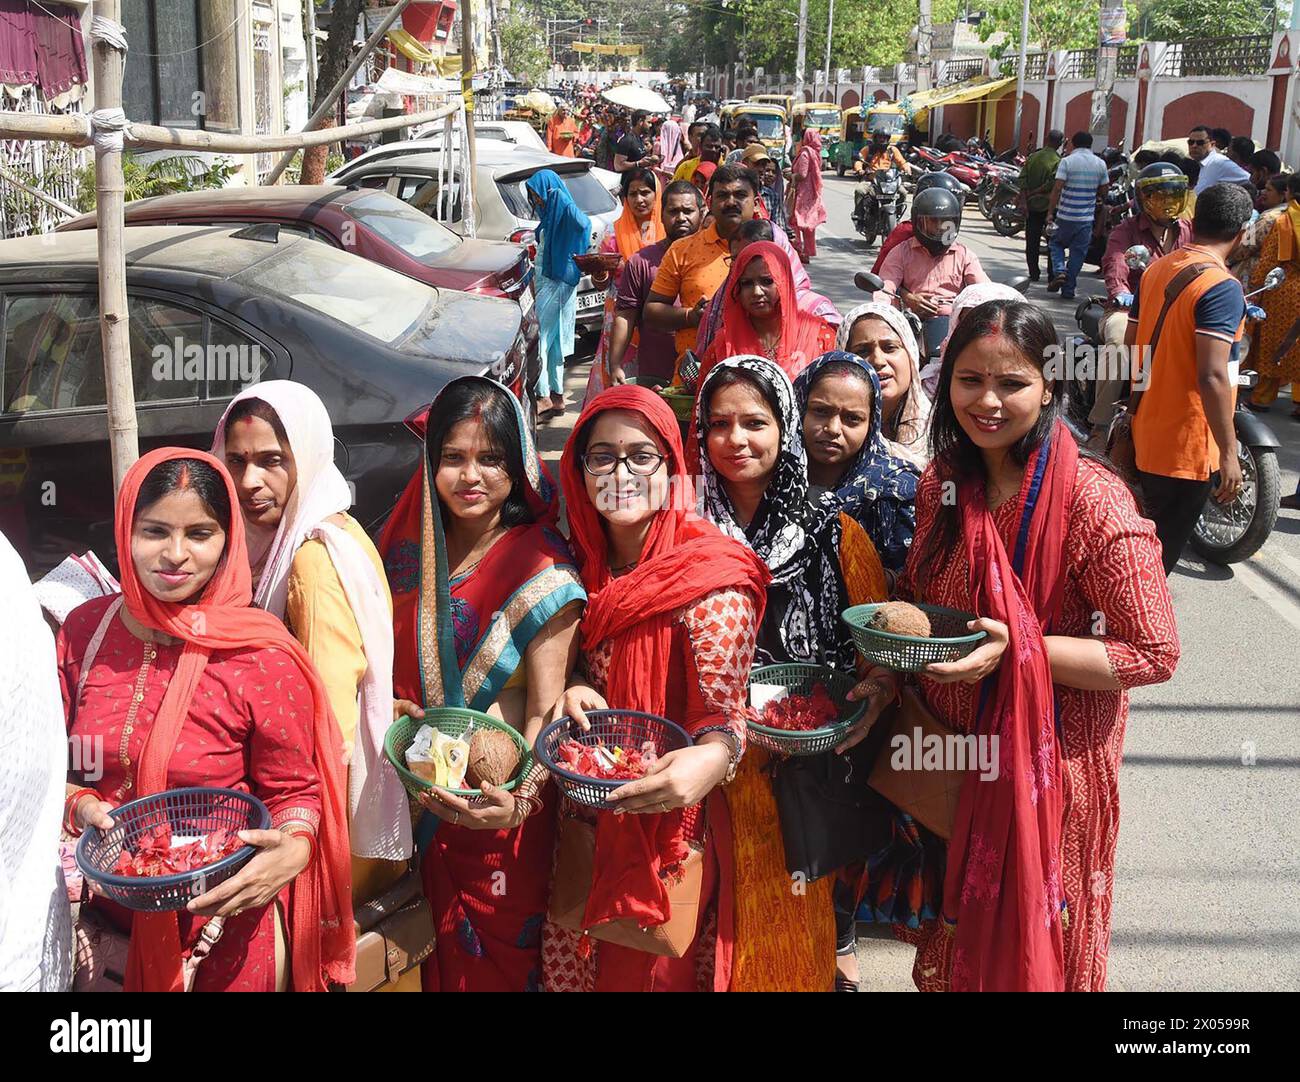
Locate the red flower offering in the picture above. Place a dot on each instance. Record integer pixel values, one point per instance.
(802, 713)
(157, 853)
(607, 764)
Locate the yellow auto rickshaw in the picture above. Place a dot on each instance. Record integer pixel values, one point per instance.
(785, 101)
(824, 116)
(857, 126)
(770, 120)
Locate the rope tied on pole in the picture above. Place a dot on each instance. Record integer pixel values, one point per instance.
(110, 128)
(109, 32)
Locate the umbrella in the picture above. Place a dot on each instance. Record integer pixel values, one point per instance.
(632, 96)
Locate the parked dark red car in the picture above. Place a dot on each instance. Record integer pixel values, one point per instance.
(371, 224)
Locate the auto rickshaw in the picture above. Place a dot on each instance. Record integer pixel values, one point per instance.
(857, 126)
(770, 121)
(785, 101)
(824, 116)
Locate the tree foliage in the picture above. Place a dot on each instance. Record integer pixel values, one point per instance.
(523, 46)
(1182, 20)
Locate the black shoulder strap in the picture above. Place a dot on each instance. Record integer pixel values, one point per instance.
(1173, 291)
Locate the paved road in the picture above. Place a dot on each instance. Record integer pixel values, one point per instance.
(1208, 875)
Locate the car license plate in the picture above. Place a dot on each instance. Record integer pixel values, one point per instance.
(594, 299)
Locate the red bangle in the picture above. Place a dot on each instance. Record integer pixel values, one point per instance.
(311, 842)
(70, 803)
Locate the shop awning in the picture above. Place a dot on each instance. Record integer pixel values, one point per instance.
(957, 94)
(409, 47)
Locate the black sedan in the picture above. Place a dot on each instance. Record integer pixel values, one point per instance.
(213, 309)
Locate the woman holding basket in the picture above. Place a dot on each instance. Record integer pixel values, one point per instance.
(754, 479)
(477, 524)
(1046, 545)
(669, 630)
(184, 684)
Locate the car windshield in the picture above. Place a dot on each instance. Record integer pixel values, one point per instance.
(824, 118)
(372, 299)
(890, 122)
(769, 127)
(591, 196)
(416, 234)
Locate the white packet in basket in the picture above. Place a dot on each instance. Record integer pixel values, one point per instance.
(762, 694)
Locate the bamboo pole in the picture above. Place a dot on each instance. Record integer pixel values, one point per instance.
(110, 192)
(58, 204)
(154, 137)
(327, 104)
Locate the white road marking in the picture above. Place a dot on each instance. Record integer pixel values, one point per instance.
(1260, 586)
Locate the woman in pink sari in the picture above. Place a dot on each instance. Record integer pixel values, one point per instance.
(807, 212)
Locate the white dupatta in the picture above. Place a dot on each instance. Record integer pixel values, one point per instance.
(380, 822)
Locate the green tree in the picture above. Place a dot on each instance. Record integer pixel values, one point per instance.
(1053, 24)
(1183, 20)
(523, 47)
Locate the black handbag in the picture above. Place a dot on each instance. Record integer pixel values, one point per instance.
(829, 816)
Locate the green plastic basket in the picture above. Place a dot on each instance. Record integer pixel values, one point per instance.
(452, 720)
(800, 679)
(682, 404)
(949, 640)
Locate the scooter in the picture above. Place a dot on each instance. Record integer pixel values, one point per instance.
(881, 206)
(1225, 533)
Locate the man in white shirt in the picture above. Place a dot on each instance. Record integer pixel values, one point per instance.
(1216, 168)
(1081, 179)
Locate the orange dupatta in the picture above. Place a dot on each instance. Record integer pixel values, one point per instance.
(630, 237)
(321, 933)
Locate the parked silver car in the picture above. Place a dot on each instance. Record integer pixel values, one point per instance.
(502, 210)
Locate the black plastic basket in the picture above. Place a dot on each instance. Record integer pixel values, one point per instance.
(192, 812)
(800, 680)
(453, 721)
(613, 728)
(950, 639)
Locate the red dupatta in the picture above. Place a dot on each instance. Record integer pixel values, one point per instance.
(1003, 881)
(684, 559)
(802, 333)
(321, 933)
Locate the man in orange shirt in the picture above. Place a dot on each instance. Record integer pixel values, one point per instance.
(696, 266)
(1183, 428)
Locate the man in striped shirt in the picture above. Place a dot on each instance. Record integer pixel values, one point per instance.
(1081, 180)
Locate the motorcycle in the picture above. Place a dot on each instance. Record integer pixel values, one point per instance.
(881, 206)
(1008, 212)
(1225, 533)
(997, 179)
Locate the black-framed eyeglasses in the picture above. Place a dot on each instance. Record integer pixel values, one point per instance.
(639, 463)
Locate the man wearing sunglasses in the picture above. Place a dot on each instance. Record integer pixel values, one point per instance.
(1216, 168)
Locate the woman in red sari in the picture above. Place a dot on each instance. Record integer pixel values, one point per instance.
(1047, 547)
(761, 315)
(673, 612)
(478, 521)
(186, 685)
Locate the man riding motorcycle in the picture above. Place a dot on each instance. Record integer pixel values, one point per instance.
(927, 271)
(1161, 195)
(903, 231)
(878, 154)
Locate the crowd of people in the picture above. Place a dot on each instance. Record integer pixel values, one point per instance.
(1251, 231)
(260, 640)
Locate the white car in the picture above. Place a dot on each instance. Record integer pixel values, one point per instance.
(515, 132)
(501, 207)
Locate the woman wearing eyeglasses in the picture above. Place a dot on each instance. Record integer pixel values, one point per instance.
(669, 629)
(478, 521)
